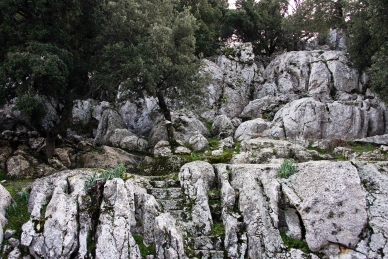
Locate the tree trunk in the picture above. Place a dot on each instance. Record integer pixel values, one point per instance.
(167, 117)
(50, 144)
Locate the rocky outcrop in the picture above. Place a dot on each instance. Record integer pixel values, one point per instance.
(107, 157)
(307, 119)
(196, 179)
(109, 122)
(5, 201)
(336, 208)
(233, 76)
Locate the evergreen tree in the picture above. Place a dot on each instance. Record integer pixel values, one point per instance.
(258, 22)
(209, 15)
(150, 51)
(45, 50)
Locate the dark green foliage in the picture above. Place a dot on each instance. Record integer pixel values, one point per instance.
(45, 49)
(217, 229)
(209, 15)
(259, 22)
(313, 17)
(368, 41)
(144, 250)
(295, 243)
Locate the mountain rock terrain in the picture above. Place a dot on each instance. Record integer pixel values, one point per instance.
(218, 194)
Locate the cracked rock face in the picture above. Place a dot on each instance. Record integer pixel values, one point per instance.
(330, 201)
(196, 179)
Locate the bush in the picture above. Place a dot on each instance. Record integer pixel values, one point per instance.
(108, 174)
(287, 169)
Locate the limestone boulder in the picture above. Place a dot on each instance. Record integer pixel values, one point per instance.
(196, 179)
(113, 237)
(374, 179)
(52, 231)
(21, 165)
(198, 142)
(168, 238)
(134, 143)
(185, 125)
(5, 153)
(232, 76)
(82, 111)
(64, 155)
(308, 119)
(252, 129)
(331, 202)
(108, 157)
(5, 201)
(265, 107)
(138, 115)
(265, 150)
(109, 122)
(222, 127)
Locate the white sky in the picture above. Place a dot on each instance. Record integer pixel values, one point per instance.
(231, 3)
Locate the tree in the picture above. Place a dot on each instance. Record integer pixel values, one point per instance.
(368, 41)
(316, 17)
(209, 15)
(45, 50)
(259, 23)
(150, 50)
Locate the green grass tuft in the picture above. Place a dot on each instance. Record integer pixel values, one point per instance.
(295, 243)
(17, 212)
(144, 250)
(218, 229)
(287, 169)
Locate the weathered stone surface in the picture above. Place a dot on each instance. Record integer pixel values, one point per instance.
(168, 238)
(374, 179)
(265, 107)
(109, 122)
(330, 201)
(196, 179)
(185, 125)
(64, 155)
(162, 149)
(82, 111)
(20, 166)
(5, 201)
(138, 114)
(109, 157)
(53, 232)
(117, 218)
(5, 153)
(118, 135)
(222, 127)
(254, 185)
(252, 129)
(307, 119)
(380, 139)
(264, 150)
(134, 143)
(198, 142)
(232, 77)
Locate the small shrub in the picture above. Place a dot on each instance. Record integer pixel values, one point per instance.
(144, 250)
(295, 243)
(108, 174)
(287, 169)
(17, 212)
(218, 229)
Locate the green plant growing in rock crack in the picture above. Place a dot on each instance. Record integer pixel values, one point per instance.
(17, 212)
(287, 169)
(109, 174)
(144, 250)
